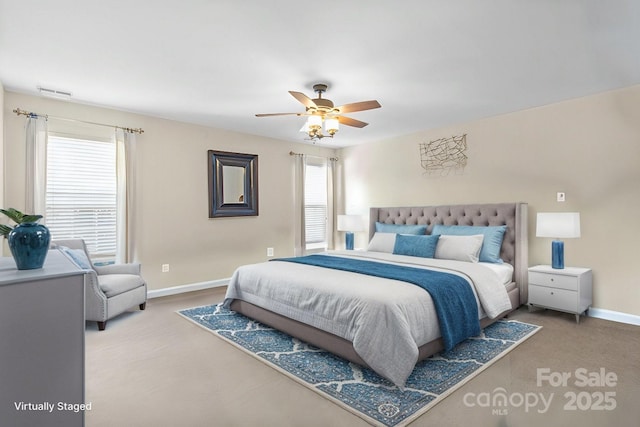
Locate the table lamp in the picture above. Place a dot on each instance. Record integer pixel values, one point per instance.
(558, 225)
(350, 223)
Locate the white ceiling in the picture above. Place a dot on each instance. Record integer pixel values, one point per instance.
(218, 62)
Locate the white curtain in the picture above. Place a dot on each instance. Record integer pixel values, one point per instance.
(298, 202)
(125, 193)
(331, 202)
(36, 159)
(300, 170)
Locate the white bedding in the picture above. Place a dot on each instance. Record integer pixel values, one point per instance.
(504, 271)
(386, 320)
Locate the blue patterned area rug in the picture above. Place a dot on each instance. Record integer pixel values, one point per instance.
(359, 389)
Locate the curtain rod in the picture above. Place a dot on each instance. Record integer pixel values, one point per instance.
(293, 153)
(20, 112)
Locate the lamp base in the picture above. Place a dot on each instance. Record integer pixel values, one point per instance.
(348, 240)
(557, 254)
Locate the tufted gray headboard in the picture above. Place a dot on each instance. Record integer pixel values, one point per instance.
(514, 215)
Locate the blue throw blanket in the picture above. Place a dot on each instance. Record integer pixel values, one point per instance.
(452, 295)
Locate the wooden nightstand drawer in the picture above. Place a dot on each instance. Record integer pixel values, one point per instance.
(553, 280)
(559, 299)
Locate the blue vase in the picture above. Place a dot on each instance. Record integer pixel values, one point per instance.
(29, 244)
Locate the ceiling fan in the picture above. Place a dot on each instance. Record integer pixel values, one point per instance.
(321, 110)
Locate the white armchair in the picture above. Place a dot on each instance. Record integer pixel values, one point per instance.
(111, 289)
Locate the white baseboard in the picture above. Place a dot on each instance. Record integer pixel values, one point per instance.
(615, 316)
(174, 290)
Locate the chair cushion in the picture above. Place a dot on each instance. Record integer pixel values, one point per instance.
(116, 284)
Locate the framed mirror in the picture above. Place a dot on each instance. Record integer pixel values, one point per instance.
(233, 184)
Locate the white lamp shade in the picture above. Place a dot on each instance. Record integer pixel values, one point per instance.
(331, 125)
(314, 121)
(350, 223)
(558, 224)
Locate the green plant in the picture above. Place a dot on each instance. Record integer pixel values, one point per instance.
(17, 217)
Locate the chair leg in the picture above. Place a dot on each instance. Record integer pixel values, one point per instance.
(102, 325)
(143, 305)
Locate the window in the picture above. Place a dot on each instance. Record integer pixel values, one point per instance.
(315, 203)
(81, 192)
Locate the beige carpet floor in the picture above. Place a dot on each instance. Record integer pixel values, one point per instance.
(154, 368)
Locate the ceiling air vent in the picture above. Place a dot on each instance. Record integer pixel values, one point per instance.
(53, 93)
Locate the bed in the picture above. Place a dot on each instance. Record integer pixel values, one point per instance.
(323, 306)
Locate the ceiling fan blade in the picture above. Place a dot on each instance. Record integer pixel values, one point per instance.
(351, 122)
(278, 114)
(304, 99)
(359, 106)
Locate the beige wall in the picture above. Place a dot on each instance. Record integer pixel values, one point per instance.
(2, 154)
(588, 148)
(172, 217)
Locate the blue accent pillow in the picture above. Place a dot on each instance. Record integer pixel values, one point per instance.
(78, 256)
(493, 236)
(401, 228)
(412, 245)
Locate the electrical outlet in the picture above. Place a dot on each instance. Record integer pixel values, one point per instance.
(269, 251)
(560, 197)
(165, 268)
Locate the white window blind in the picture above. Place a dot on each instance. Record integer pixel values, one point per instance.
(315, 203)
(81, 193)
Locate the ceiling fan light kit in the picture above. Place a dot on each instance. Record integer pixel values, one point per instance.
(321, 111)
(313, 126)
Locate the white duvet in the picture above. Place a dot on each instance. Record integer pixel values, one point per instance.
(387, 320)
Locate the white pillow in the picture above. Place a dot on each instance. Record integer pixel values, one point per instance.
(382, 242)
(459, 248)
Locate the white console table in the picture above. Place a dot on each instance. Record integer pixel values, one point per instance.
(42, 343)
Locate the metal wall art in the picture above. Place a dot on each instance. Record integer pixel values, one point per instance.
(445, 155)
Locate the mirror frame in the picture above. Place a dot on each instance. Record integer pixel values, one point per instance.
(217, 161)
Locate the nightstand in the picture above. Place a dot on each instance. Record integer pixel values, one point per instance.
(568, 289)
